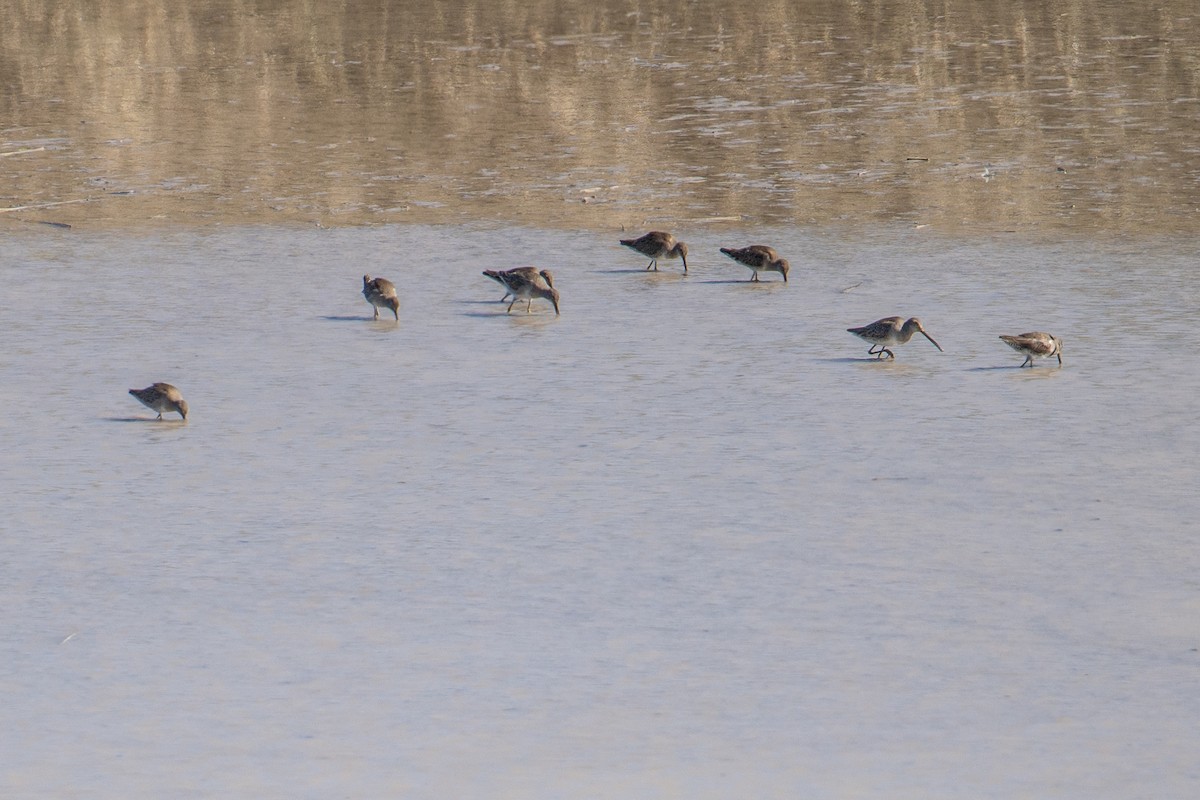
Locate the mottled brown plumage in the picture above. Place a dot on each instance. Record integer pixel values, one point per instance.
(890, 331)
(380, 292)
(527, 283)
(499, 276)
(162, 397)
(759, 258)
(1035, 345)
(658, 244)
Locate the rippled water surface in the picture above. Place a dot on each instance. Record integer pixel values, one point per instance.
(977, 115)
(685, 540)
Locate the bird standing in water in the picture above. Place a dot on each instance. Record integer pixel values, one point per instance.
(380, 292)
(162, 397)
(526, 283)
(890, 331)
(657, 244)
(759, 258)
(500, 275)
(1035, 345)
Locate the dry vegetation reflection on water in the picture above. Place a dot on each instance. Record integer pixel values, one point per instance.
(995, 115)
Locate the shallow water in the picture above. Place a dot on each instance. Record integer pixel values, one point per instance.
(685, 540)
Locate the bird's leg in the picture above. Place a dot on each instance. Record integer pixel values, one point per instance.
(1028, 362)
(510, 305)
(529, 305)
(754, 276)
(874, 352)
(160, 415)
(890, 354)
(376, 311)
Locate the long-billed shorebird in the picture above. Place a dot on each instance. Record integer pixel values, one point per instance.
(657, 244)
(759, 258)
(499, 275)
(527, 283)
(1035, 345)
(162, 397)
(890, 331)
(380, 292)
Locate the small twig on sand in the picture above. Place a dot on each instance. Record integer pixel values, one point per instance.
(22, 152)
(44, 205)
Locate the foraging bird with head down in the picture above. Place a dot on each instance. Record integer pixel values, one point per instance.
(658, 244)
(500, 277)
(528, 283)
(759, 258)
(1035, 344)
(381, 293)
(890, 331)
(162, 397)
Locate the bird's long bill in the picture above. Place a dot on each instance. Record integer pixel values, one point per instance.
(930, 338)
(684, 259)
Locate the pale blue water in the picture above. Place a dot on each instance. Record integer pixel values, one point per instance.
(682, 541)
